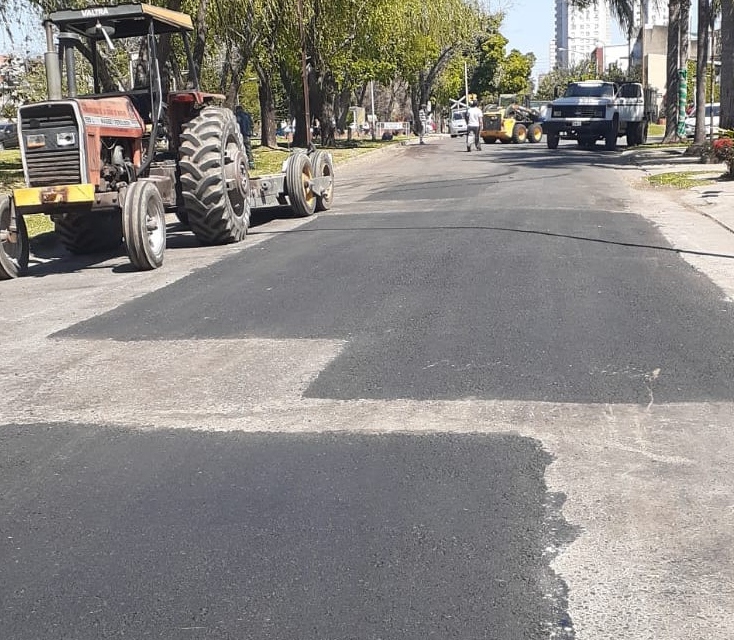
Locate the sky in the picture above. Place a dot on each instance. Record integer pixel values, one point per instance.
(529, 25)
(27, 34)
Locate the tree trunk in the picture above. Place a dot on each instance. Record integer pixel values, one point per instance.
(702, 55)
(727, 65)
(201, 32)
(673, 60)
(267, 110)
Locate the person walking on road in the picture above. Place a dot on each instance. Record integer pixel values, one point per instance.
(473, 125)
(244, 120)
(422, 117)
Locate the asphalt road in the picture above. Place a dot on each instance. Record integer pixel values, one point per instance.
(488, 395)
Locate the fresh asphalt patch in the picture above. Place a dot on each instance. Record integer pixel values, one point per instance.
(112, 533)
(483, 304)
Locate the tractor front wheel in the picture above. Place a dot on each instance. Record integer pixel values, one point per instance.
(214, 179)
(144, 225)
(14, 245)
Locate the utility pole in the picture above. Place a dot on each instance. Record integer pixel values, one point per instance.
(304, 75)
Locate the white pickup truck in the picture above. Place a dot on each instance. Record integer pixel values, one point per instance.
(593, 110)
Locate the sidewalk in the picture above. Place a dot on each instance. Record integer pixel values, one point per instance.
(715, 200)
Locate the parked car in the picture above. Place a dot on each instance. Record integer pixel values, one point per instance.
(712, 121)
(457, 123)
(8, 135)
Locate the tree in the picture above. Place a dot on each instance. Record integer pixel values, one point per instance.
(554, 83)
(727, 64)
(673, 66)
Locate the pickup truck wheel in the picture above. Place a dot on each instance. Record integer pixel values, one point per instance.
(633, 134)
(84, 233)
(14, 247)
(587, 143)
(214, 180)
(610, 139)
(519, 133)
(552, 140)
(643, 133)
(535, 132)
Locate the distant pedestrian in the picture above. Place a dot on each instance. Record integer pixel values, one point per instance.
(422, 117)
(244, 120)
(473, 125)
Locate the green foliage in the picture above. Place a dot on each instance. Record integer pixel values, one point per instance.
(554, 83)
(693, 80)
(419, 44)
(496, 72)
(516, 69)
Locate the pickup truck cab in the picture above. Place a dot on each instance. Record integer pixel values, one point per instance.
(593, 110)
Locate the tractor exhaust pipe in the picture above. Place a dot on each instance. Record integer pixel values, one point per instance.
(51, 61)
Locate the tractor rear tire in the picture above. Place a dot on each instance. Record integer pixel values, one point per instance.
(298, 176)
(15, 248)
(84, 233)
(214, 179)
(323, 168)
(535, 132)
(519, 133)
(144, 224)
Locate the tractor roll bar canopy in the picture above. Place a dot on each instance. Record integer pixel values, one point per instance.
(124, 21)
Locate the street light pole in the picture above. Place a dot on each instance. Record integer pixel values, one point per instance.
(372, 101)
(304, 76)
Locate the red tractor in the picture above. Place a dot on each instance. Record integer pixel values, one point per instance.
(108, 164)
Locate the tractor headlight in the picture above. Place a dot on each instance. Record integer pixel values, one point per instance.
(66, 139)
(35, 141)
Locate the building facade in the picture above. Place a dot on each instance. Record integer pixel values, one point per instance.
(580, 31)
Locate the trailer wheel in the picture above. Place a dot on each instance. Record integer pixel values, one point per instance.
(552, 140)
(519, 133)
(298, 176)
(14, 247)
(323, 168)
(535, 132)
(144, 224)
(214, 180)
(83, 233)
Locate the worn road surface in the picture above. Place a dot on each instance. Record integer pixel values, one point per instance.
(487, 395)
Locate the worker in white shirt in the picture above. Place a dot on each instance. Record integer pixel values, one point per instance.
(473, 125)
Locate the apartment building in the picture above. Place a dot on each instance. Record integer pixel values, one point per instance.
(580, 31)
